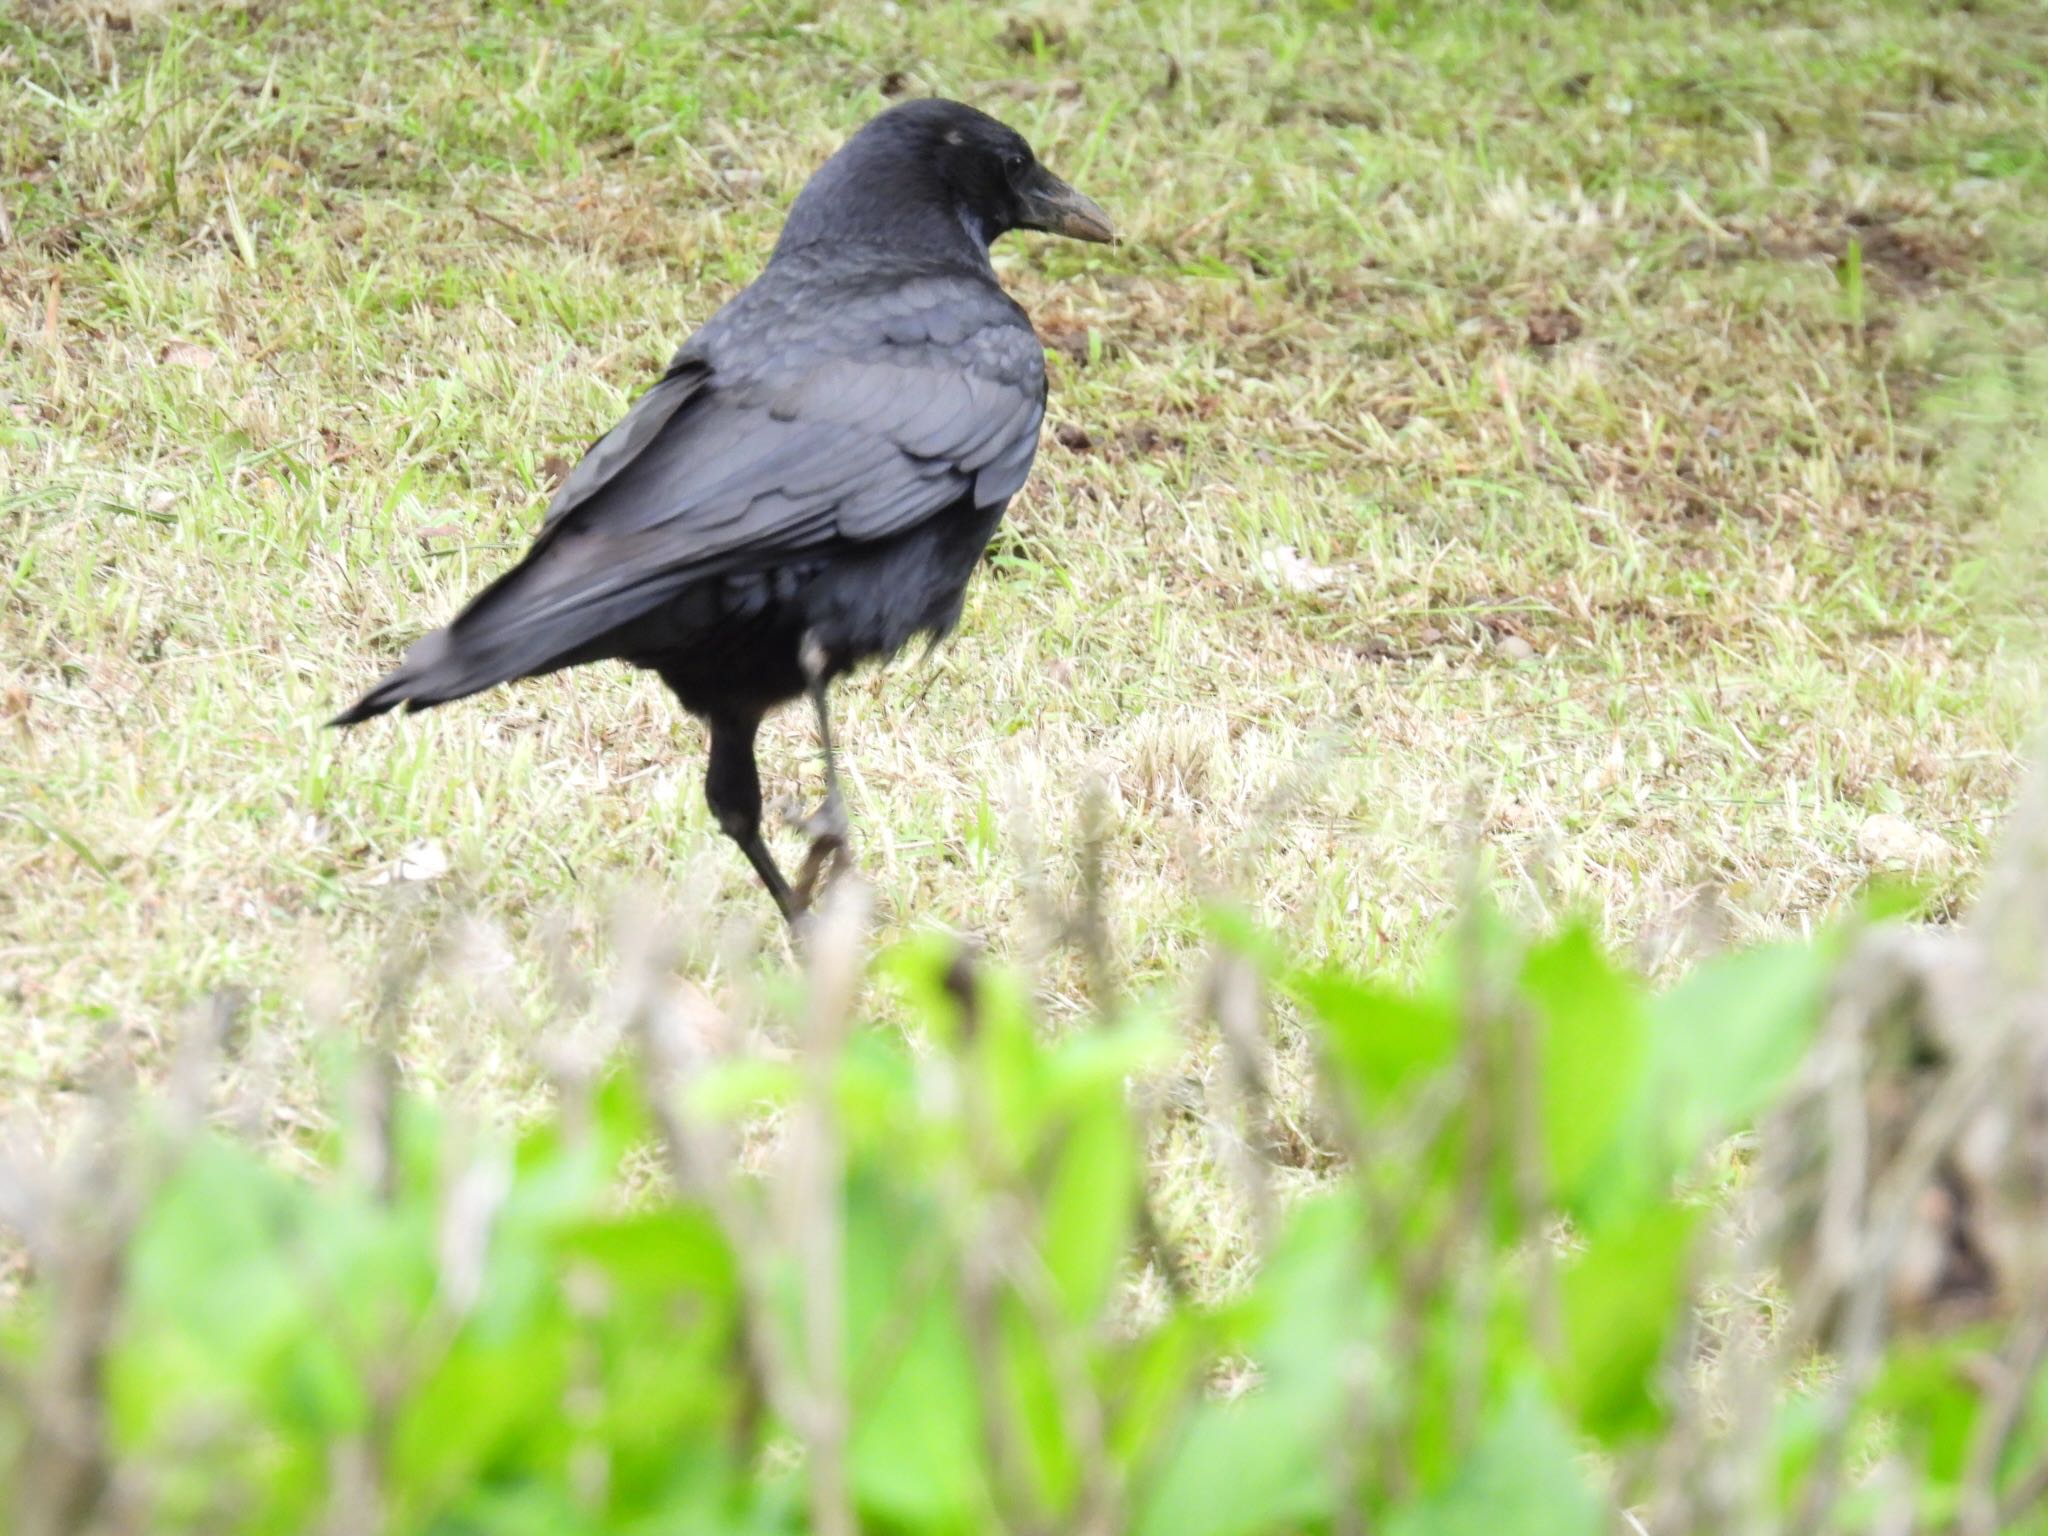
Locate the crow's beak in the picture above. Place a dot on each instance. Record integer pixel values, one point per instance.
(1053, 206)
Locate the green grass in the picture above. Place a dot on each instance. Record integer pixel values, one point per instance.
(1599, 365)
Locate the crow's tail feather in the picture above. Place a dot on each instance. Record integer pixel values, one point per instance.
(432, 673)
(531, 621)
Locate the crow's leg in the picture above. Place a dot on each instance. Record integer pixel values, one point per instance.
(732, 785)
(827, 825)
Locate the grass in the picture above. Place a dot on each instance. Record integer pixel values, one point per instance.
(1557, 414)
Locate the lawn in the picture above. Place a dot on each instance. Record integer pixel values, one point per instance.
(1583, 432)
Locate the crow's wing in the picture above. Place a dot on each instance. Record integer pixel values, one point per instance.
(851, 447)
(625, 442)
(721, 468)
(848, 448)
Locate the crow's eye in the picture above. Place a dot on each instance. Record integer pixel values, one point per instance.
(1013, 162)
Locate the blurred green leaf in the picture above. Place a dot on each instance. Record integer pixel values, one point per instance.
(1232, 926)
(1889, 896)
(1264, 1462)
(1036, 1407)
(729, 1089)
(1930, 1390)
(1260, 1464)
(226, 1313)
(1726, 1039)
(1158, 1380)
(877, 1097)
(1798, 1430)
(672, 1248)
(1620, 1299)
(1010, 1073)
(1086, 1211)
(1090, 1060)
(1520, 1479)
(1383, 1042)
(917, 1439)
(1593, 1047)
(475, 1406)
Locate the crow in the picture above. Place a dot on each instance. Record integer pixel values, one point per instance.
(811, 482)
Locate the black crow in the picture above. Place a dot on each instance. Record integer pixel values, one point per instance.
(814, 478)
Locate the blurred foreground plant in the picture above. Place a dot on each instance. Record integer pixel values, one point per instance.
(885, 1282)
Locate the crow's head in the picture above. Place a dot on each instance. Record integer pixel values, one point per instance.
(936, 156)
